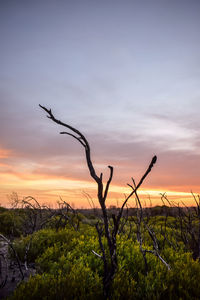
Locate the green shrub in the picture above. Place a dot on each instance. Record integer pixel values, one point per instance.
(69, 270)
(10, 223)
(80, 284)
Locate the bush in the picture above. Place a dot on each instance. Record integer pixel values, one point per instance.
(10, 223)
(69, 270)
(80, 284)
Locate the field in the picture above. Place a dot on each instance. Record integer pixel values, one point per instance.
(61, 253)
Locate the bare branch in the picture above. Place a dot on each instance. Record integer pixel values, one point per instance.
(108, 183)
(98, 255)
(110, 258)
(90, 201)
(100, 232)
(75, 137)
(153, 161)
(82, 137)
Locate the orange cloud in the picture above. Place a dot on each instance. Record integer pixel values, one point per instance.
(47, 183)
(49, 188)
(5, 153)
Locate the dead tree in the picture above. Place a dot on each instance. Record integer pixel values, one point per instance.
(186, 227)
(140, 220)
(66, 214)
(35, 218)
(110, 231)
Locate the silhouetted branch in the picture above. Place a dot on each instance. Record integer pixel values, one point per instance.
(80, 137)
(151, 234)
(111, 267)
(77, 138)
(153, 161)
(108, 183)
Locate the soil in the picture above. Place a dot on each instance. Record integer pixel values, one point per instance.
(10, 276)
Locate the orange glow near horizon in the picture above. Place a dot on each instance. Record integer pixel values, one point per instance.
(49, 190)
(48, 187)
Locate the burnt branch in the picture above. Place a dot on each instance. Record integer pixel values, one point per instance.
(100, 233)
(153, 161)
(108, 183)
(79, 137)
(110, 259)
(151, 234)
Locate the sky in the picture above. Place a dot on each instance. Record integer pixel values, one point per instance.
(125, 73)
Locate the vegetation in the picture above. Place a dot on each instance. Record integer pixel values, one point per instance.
(68, 268)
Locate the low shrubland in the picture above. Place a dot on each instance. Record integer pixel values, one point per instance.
(68, 268)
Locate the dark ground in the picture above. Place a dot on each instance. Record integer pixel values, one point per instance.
(9, 273)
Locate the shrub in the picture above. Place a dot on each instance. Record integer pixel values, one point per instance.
(69, 270)
(10, 223)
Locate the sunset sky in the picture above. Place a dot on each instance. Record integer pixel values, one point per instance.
(125, 73)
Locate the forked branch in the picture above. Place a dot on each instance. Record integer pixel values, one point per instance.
(110, 259)
(80, 137)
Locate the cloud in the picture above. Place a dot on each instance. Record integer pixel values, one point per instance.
(5, 153)
(168, 135)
